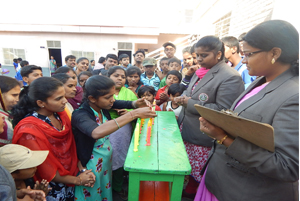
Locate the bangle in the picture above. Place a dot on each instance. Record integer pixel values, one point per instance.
(222, 140)
(131, 115)
(80, 181)
(134, 104)
(117, 123)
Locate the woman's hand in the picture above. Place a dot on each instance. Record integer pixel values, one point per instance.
(42, 186)
(211, 130)
(87, 178)
(182, 100)
(141, 102)
(143, 113)
(36, 195)
(191, 70)
(121, 112)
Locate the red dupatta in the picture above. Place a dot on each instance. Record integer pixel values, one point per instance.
(39, 135)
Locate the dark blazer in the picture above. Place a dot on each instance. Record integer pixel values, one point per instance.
(217, 90)
(83, 123)
(244, 171)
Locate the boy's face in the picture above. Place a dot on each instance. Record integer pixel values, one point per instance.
(187, 59)
(174, 66)
(169, 51)
(125, 61)
(149, 70)
(33, 76)
(24, 173)
(164, 66)
(139, 57)
(172, 97)
(71, 63)
(172, 79)
(148, 96)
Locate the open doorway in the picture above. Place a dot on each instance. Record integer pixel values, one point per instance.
(56, 53)
(129, 53)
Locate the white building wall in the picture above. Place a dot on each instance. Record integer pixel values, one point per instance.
(101, 45)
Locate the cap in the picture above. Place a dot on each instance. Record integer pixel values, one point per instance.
(169, 44)
(17, 157)
(148, 61)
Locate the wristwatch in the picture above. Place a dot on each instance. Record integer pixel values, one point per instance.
(83, 170)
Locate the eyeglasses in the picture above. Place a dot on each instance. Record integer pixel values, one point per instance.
(251, 53)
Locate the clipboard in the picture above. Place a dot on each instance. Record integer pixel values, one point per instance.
(257, 133)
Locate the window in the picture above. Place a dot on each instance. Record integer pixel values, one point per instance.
(124, 46)
(78, 54)
(53, 44)
(189, 16)
(222, 26)
(9, 54)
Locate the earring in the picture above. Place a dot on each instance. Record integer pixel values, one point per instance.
(273, 61)
(219, 58)
(43, 106)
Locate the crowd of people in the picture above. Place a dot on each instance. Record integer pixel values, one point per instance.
(66, 137)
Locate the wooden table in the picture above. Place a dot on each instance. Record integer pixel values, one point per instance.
(165, 160)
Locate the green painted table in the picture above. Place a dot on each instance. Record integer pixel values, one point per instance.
(165, 160)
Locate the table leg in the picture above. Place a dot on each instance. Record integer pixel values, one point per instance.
(177, 188)
(134, 186)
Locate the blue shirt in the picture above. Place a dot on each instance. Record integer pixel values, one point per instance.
(19, 77)
(15, 65)
(154, 81)
(243, 71)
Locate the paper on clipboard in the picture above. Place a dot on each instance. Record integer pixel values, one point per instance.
(257, 133)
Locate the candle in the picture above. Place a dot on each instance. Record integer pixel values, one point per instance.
(136, 138)
(148, 136)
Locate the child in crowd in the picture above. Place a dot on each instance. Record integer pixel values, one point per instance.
(174, 64)
(124, 61)
(22, 164)
(30, 73)
(8, 189)
(149, 78)
(174, 91)
(83, 76)
(162, 94)
(3, 71)
(163, 64)
(9, 95)
(149, 93)
(18, 74)
(133, 79)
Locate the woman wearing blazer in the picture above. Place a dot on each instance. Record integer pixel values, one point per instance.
(215, 85)
(238, 169)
